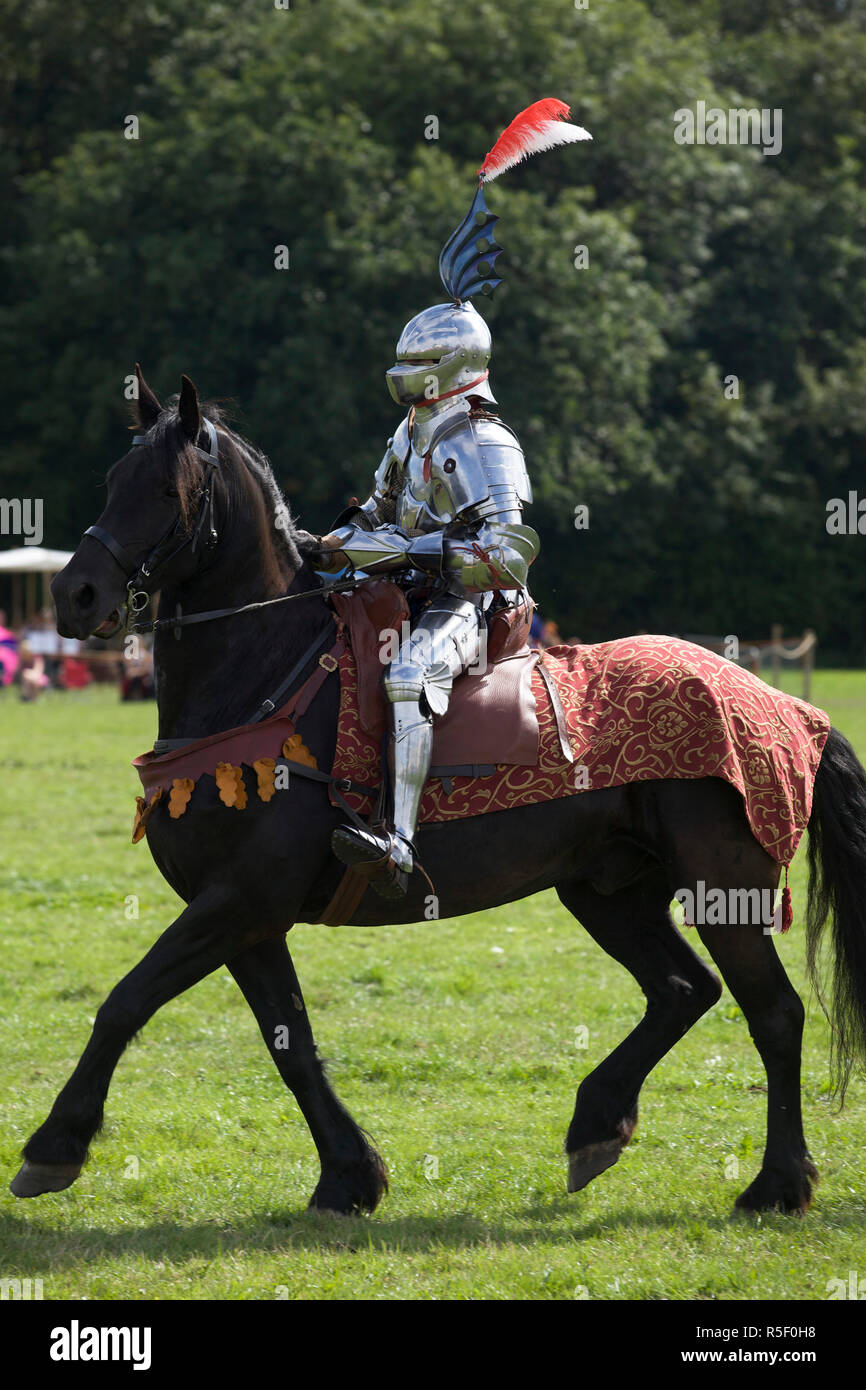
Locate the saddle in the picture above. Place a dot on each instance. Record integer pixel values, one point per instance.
(491, 717)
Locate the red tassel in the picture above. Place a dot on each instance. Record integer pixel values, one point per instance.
(787, 909)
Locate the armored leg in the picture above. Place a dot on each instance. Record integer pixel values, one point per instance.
(411, 749)
(418, 685)
(444, 641)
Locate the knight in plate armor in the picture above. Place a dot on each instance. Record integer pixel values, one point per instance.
(445, 516)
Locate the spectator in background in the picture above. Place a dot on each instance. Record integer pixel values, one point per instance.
(543, 634)
(43, 640)
(33, 675)
(137, 682)
(9, 657)
(536, 632)
(42, 644)
(74, 674)
(40, 635)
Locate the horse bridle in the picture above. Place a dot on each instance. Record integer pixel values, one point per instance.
(203, 533)
(138, 576)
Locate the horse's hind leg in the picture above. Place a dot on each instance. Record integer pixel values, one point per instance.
(708, 841)
(199, 941)
(353, 1175)
(635, 927)
(774, 1012)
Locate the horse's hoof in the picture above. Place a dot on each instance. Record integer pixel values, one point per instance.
(586, 1164)
(776, 1190)
(328, 1211)
(32, 1179)
(792, 1198)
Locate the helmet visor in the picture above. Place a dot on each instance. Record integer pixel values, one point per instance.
(412, 382)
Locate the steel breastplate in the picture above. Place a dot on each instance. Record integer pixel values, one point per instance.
(469, 468)
(425, 503)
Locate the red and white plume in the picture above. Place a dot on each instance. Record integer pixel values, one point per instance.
(542, 126)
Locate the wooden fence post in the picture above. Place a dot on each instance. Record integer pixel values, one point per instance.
(808, 663)
(775, 656)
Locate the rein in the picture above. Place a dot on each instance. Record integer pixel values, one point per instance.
(185, 620)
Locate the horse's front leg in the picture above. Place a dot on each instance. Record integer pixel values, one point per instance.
(199, 941)
(353, 1175)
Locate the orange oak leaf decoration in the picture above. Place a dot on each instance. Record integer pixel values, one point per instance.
(296, 751)
(181, 791)
(230, 780)
(143, 813)
(264, 769)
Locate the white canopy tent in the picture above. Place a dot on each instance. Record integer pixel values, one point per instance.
(24, 563)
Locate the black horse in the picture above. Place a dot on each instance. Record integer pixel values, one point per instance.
(214, 533)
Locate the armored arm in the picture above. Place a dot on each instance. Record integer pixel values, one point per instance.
(366, 515)
(494, 554)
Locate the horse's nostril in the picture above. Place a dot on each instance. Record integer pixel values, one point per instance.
(84, 596)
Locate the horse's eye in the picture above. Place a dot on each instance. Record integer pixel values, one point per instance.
(172, 492)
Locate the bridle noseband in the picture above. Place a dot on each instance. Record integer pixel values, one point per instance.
(202, 535)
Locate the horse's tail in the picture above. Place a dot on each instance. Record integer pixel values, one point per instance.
(837, 888)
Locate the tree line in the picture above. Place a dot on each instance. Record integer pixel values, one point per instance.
(679, 341)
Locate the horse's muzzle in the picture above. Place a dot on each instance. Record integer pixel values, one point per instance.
(89, 593)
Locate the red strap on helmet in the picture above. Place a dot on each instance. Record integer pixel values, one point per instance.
(458, 391)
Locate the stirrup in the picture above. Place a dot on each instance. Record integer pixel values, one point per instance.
(370, 853)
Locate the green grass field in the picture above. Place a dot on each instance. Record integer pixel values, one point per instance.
(456, 1044)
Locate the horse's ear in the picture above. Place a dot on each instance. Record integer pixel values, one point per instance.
(147, 407)
(189, 409)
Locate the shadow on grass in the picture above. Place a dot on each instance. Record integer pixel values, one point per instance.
(33, 1248)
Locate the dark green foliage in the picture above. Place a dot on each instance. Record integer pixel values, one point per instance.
(306, 128)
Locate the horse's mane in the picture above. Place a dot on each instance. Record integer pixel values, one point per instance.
(246, 472)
